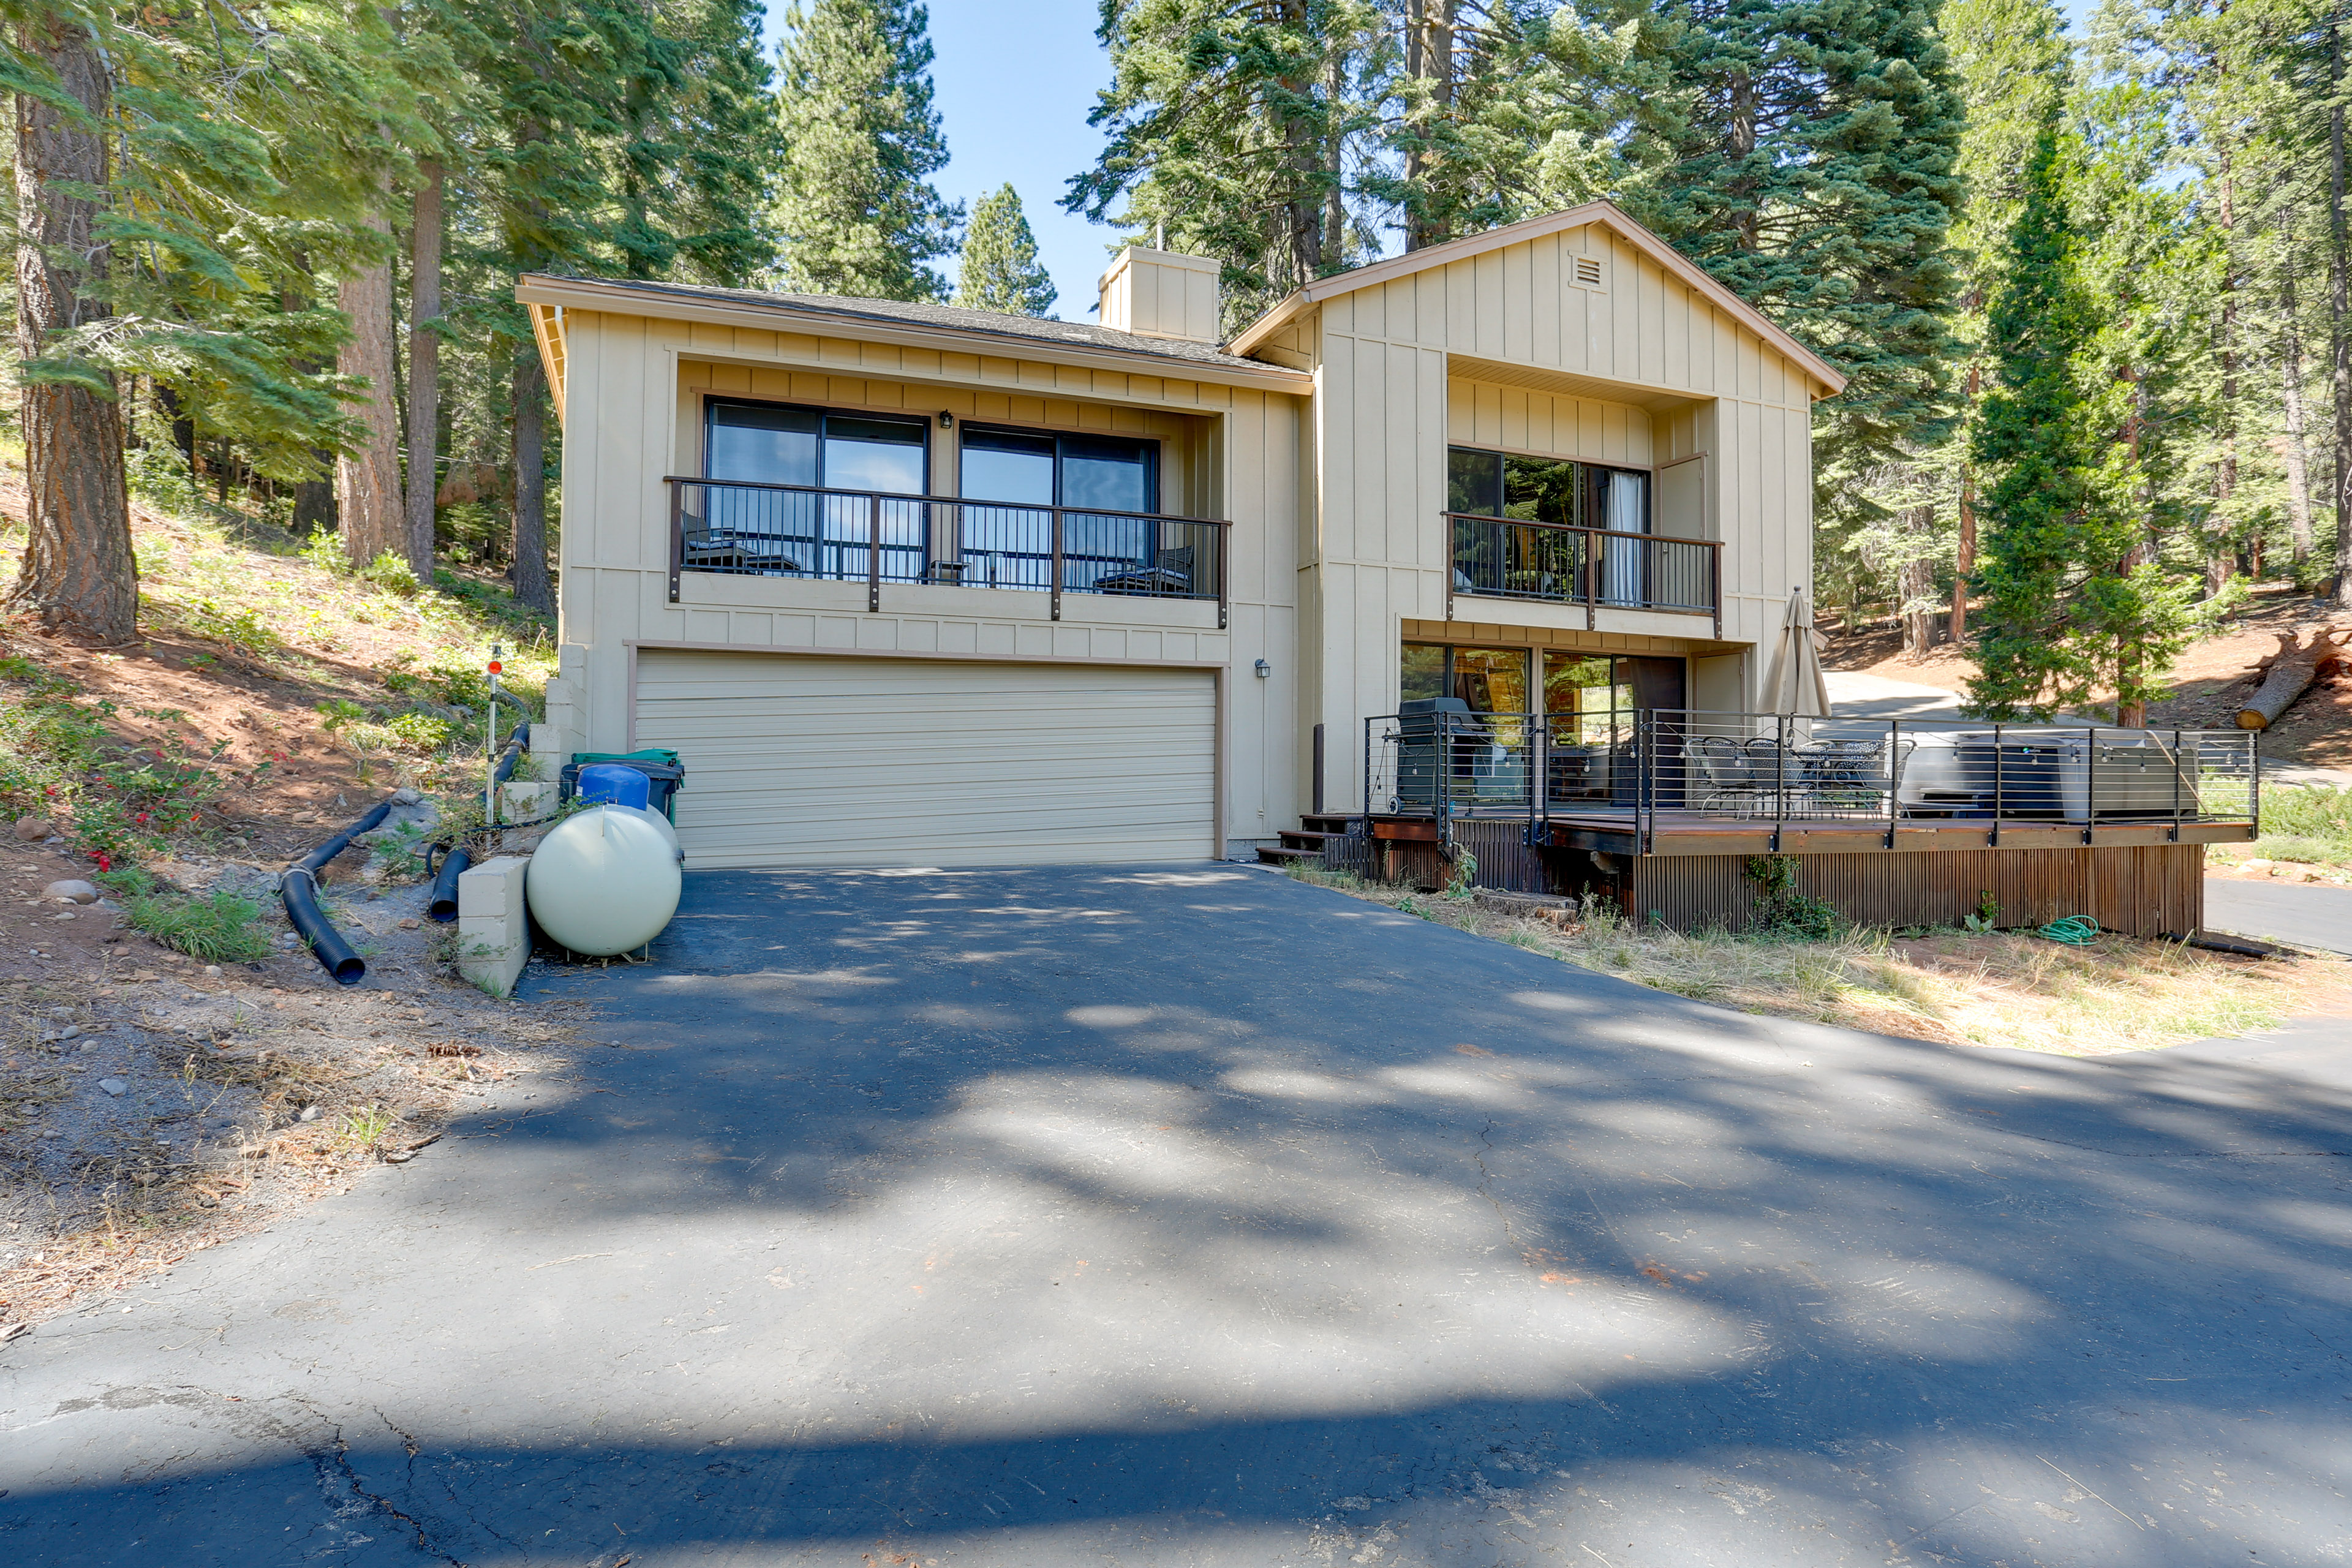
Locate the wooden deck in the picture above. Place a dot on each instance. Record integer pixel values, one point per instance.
(2144, 877)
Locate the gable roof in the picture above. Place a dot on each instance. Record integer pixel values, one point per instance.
(1605, 213)
(937, 326)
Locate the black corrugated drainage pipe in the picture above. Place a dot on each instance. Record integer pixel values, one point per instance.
(443, 906)
(299, 886)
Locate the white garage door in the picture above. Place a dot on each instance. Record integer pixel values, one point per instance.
(797, 761)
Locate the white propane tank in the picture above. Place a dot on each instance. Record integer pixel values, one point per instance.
(604, 882)
(658, 820)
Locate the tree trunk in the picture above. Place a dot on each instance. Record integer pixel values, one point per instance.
(2291, 672)
(2298, 467)
(531, 482)
(1964, 559)
(1914, 585)
(2339, 313)
(424, 366)
(367, 481)
(78, 576)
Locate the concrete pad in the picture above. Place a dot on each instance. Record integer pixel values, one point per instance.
(1191, 1215)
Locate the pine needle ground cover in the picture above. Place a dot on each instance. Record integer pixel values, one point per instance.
(271, 686)
(1960, 988)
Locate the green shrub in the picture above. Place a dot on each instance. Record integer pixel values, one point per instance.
(221, 928)
(1783, 911)
(392, 573)
(420, 731)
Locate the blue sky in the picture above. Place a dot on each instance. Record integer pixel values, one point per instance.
(1015, 82)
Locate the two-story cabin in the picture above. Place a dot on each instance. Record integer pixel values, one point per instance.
(1416, 561)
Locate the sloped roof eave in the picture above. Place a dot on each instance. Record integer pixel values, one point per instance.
(1606, 213)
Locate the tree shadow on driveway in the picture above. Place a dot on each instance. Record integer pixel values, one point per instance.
(1191, 1215)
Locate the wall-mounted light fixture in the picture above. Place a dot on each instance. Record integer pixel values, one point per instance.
(1264, 670)
(947, 420)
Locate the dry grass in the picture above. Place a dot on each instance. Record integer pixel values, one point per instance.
(2000, 988)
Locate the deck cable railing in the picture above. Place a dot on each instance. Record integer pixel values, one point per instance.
(1511, 558)
(1437, 759)
(740, 529)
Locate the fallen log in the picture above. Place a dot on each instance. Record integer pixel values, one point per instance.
(2291, 671)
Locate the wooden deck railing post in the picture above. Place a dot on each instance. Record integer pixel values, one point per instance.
(1058, 563)
(677, 534)
(2090, 782)
(2176, 787)
(1998, 761)
(1591, 562)
(1894, 774)
(1781, 728)
(1224, 593)
(873, 554)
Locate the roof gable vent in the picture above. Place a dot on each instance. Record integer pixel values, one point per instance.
(1588, 272)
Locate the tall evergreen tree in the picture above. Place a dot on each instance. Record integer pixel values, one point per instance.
(855, 206)
(2071, 604)
(1802, 152)
(2010, 59)
(1230, 129)
(999, 270)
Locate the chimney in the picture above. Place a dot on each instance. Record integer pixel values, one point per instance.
(1160, 294)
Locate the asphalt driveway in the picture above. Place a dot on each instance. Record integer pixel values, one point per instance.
(2301, 913)
(1198, 1216)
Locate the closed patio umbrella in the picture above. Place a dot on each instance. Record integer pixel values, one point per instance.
(1794, 685)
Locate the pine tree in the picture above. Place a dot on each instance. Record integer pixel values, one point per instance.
(1000, 269)
(1231, 130)
(855, 206)
(1802, 152)
(2009, 58)
(2072, 602)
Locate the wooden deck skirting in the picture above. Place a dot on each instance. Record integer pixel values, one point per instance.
(2131, 878)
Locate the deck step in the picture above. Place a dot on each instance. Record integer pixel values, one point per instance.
(1309, 837)
(1277, 856)
(1338, 826)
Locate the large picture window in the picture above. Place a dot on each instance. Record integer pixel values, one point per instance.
(800, 532)
(1108, 486)
(1492, 557)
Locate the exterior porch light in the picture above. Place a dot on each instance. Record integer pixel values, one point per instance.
(1264, 670)
(947, 420)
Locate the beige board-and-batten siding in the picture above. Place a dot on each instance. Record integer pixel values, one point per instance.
(1573, 343)
(811, 761)
(634, 386)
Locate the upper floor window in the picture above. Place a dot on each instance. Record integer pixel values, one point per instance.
(776, 444)
(1547, 490)
(1030, 468)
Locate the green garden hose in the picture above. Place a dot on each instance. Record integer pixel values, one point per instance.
(2073, 929)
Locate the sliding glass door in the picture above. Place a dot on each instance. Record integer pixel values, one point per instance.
(1010, 479)
(880, 458)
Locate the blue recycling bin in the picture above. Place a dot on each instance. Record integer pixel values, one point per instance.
(616, 783)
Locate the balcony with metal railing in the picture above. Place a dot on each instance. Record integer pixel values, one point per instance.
(1592, 568)
(1784, 782)
(740, 529)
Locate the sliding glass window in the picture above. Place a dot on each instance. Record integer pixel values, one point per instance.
(1107, 486)
(750, 521)
(1489, 492)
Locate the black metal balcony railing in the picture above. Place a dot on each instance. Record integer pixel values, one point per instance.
(1508, 558)
(875, 537)
(1444, 762)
